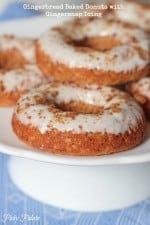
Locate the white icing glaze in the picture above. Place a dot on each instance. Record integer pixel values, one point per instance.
(118, 59)
(136, 14)
(24, 45)
(37, 109)
(22, 79)
(142, 87)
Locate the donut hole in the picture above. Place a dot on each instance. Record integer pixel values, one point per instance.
(11, 59)
(79, 107)
(98, 43)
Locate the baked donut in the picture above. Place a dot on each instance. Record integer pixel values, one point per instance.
(135, 13)
(99, 51)
(18, 72)
(16, 52)
(70, 120)
(141, 92)
(14, 83)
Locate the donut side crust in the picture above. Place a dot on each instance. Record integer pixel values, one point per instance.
(79, 75)
(83, 144)
(10, 98)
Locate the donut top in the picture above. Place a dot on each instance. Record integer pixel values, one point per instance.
(25, 45)
(135, 13)
(142, 87)
(22, 79)
(131, 53)
(41, 108)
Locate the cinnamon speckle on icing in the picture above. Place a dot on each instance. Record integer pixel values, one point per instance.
(22, 79)
(124, 57)
(25, 45)
(116, 115)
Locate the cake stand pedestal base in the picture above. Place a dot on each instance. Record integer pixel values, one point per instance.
(82, 188)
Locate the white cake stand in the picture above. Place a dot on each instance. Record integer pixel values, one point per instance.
(84, 188)
(78, 183)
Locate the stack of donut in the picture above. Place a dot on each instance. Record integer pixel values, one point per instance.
(79, 112)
